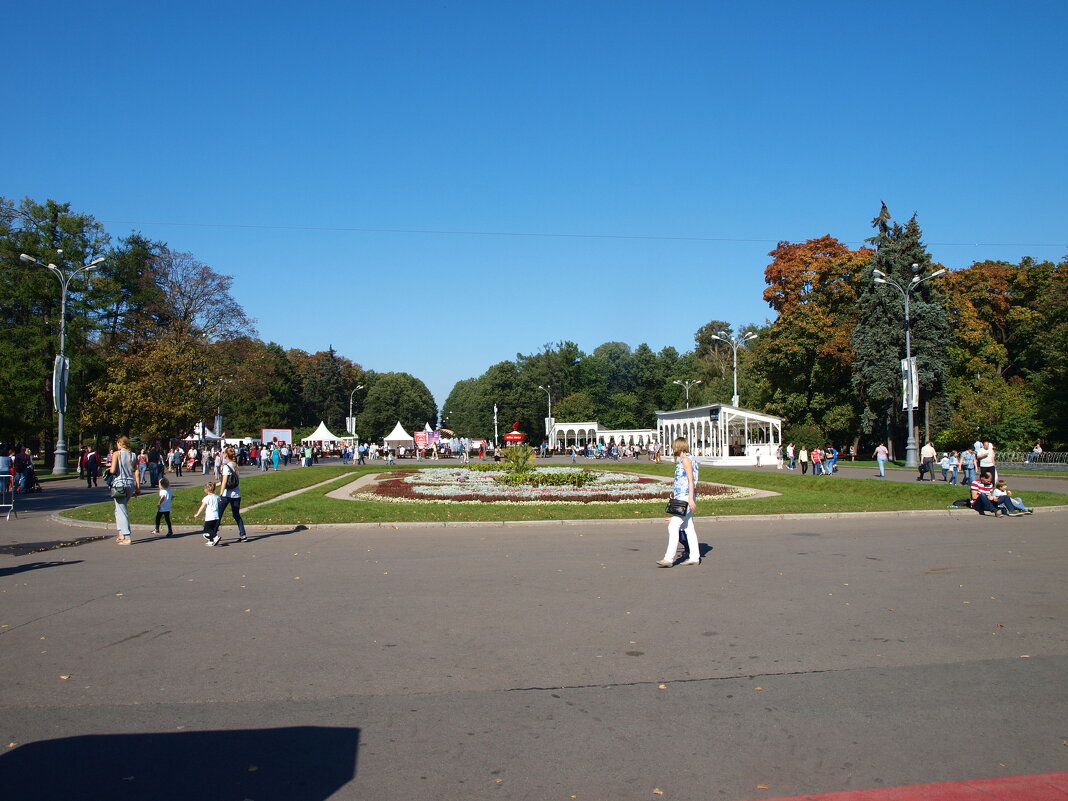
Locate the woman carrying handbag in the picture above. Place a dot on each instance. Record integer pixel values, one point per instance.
(125, 483)
(682, 505)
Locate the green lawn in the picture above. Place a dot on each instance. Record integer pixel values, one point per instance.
(255, 488)
(799, 494)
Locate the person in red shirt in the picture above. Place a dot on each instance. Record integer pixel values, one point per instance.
(817, 461)
(982, 499)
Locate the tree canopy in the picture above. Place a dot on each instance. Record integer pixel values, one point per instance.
(158, 342)
(156, 339)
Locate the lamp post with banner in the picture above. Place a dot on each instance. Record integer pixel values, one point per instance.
(908, 366)
(61, 368)
(350, 421)
(549, 419)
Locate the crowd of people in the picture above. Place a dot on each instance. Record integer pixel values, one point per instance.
(16, 470)
(823, 458)
(125, 473)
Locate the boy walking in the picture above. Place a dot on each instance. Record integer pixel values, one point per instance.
(209, 505)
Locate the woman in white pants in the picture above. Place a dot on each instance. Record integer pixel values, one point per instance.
(684, 489)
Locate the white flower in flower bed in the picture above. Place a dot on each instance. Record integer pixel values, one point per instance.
(444, 484)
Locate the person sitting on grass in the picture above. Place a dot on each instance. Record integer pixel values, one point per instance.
(982, 490)
(1001, 490)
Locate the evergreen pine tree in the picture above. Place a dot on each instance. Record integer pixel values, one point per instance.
(879, 337)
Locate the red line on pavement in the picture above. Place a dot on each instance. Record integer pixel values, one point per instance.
(1036, 787)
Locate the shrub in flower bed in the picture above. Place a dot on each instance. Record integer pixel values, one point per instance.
(533, 479)
(480, 486)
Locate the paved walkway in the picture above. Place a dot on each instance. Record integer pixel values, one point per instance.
(802, 657)
(805, 658)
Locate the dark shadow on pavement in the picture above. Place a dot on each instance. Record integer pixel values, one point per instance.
(16, 569)
(267, 534)
(300, 763)
(176, 536)
(23, 548)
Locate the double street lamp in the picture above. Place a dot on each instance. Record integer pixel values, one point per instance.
(686, 385)
(912, 456)
(734, 342)
(61, 370)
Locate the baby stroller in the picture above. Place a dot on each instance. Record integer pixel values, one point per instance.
(32, 484)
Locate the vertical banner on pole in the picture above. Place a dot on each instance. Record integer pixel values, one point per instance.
(60, 371)
(908, 374)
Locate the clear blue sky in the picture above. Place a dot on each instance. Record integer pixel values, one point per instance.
(625, 167)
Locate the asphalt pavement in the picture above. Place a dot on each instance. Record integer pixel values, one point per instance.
(534, 662)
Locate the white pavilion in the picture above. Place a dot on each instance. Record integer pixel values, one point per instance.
(723, 435)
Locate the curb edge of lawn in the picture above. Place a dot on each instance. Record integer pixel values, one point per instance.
(951, 512)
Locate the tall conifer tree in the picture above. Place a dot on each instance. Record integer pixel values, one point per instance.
(879, 337)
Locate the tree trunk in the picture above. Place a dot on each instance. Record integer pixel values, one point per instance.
(890, 434)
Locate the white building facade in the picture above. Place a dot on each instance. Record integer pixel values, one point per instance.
(722, 434)
(564, 435)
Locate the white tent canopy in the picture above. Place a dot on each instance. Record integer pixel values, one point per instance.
(208, 433)
(399, 436)
(322, 434)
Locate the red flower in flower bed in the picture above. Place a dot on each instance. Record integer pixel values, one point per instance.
(395, 486)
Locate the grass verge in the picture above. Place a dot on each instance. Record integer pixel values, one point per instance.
(255, 488)
(799, 495)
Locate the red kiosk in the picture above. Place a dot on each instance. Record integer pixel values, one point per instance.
(514, 437)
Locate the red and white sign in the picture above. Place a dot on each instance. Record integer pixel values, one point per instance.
(278, 435)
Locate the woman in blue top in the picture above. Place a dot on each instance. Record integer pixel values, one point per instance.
(684, 488)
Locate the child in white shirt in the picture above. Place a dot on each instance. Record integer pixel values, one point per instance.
(163, 508)
(1001, 489)
(209, 505)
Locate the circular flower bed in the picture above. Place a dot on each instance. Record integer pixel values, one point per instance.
(462, 485)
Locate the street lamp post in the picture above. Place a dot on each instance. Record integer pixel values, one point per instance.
(352, 422)
(686, 385)
(734, 342)
(912, 456)
(549, 422)
(61, 369)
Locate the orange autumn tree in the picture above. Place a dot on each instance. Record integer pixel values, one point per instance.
(803, 360)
